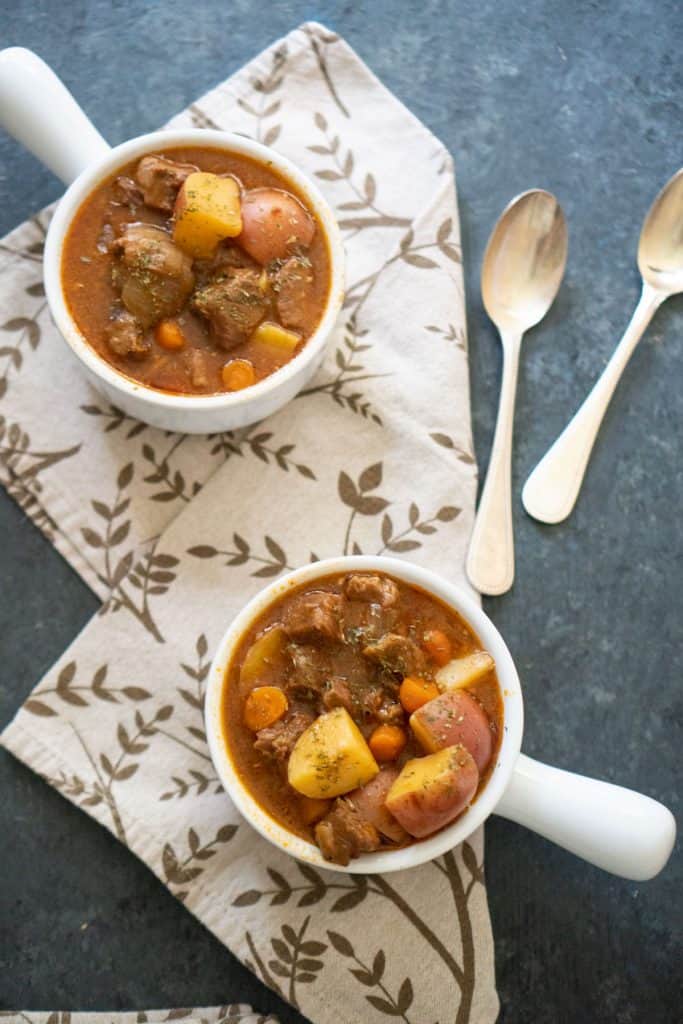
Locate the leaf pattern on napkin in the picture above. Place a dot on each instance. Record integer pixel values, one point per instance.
(230, 1013)
(361, 461)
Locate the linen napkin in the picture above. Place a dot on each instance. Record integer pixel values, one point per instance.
(374, 456)
(232, 1014)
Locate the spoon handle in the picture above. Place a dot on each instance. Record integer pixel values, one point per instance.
(491, 557)
(551, 491)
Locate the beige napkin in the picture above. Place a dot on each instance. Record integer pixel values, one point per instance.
(232, 1014)
(374, 456)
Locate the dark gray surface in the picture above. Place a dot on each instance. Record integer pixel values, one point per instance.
(584, 99)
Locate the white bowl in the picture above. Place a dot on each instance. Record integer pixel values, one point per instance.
(37, 109)
(615, 828)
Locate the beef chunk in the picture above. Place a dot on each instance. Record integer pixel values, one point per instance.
(398, 654)
(293, 284)
(313, 617)
(233, 305)
(344, 833)
(128, 192)
(161, 180)
(125, 337)
(377, 589)
(278, 740)
(311, 670)
(154, 275)
(338, 695)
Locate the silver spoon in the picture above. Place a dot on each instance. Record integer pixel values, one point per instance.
(521, 273)
(551, 491)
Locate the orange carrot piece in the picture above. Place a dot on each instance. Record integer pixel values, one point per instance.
(238, 374)
(169, 335)
(437, 646)
(414, 692)
(263, 706)
(387, 742)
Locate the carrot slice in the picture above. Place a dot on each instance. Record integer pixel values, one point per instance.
(238, 374)
(387, 742)
(263, 706)
(414, 692)
(169, 335)
(437, 646)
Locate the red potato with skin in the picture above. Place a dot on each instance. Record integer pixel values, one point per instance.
(431, 791)
(370, 799)
(454, 717)
(274, 223)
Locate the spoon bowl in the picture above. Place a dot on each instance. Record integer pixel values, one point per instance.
(660, 249)
(553, 487)
(524, 261)
(523, 266)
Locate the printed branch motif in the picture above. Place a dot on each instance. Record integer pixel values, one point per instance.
(350, 371)
(198, 781)
(109, 772)
(27, 332)
(367, 214)
(272, 563)
(461, 454)
(371, 976)
(295, 960)
(131, 583)
(357, 497)
(399, 543)
(23, 465)
(236, 442)
(200, 119)
(114, 419)
(74, 694)
(173, 484)
(450, 333)
(180, 872)
(266, 87)
(319, 41)
(354, 890)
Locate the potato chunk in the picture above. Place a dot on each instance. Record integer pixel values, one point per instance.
(454, 717)
(207, 210)
(432, 791)
(331, 757)
(264, 663)
(463, 672)
(276, 337)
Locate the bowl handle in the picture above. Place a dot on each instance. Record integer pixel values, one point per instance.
(619, 830)
(40, 112)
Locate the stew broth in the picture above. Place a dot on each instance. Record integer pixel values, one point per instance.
(93, 295)
(317, 672)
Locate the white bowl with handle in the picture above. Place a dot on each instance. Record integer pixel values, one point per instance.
(619, 830)
(38, 110)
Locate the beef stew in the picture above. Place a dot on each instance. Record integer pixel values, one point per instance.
(196, 271)
(361, 713)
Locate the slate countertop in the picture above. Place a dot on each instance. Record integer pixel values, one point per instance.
(585, 100)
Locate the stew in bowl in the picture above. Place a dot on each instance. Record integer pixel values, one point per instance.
(360, 712)
(194, 270)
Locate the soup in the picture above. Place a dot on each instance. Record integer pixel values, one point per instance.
(196, 271)
(362, 714)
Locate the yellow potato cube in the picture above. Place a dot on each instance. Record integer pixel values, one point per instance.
(331, 757)
(207, 210)
(264, 660)
(271, 334)
(462, 672)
